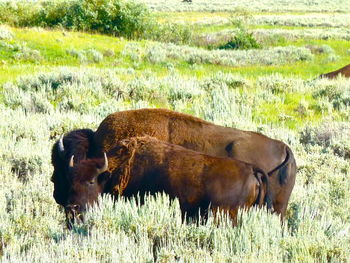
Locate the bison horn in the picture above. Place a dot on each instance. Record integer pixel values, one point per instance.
(60, 144)
(105, 166)
(71, 162)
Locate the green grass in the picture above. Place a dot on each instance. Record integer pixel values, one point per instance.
(291, 112)
(53, 46)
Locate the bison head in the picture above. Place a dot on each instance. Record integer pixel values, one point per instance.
(78, 143)
(87, 181)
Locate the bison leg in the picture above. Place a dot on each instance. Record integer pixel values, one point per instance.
(194, 213)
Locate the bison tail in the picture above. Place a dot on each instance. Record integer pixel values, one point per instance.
(283, 173)
(264, 196)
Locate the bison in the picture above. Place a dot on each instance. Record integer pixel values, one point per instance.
(270, 155)
(145, 164)
(344, 71)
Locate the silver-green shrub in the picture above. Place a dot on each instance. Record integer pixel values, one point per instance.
(256, 5)
(192, 55)
(332, 136)
(323, 34)
(5, 33)
(303, 20)
(276, 83)
(155, 54)
(86, 56)
(32, 227)
(336, 92)
(21, 52)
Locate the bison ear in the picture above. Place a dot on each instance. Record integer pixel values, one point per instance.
(229, 149)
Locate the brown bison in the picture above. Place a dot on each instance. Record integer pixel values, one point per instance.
(344, 71)
(271, 155)
(145, 164)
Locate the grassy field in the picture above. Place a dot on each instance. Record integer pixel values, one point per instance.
(53, 80)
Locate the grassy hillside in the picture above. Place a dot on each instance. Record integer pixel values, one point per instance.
(55, 79)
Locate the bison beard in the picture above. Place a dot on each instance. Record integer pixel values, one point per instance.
(147, 165)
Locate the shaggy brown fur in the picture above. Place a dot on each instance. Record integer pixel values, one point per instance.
(193, 133)
(344, 71)
(77, 143)
(145, 164)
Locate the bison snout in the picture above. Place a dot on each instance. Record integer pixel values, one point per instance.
(73, 215)
(72, 207)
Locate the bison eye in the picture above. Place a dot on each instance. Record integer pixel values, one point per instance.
(91, 182)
